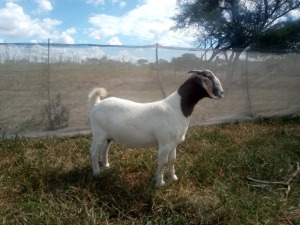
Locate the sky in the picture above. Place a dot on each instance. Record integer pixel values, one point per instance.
(112, 22)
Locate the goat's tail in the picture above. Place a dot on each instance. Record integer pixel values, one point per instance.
(94, 96)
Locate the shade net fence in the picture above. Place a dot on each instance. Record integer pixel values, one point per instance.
(44, 87)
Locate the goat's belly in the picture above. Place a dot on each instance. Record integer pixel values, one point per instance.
(134, 140)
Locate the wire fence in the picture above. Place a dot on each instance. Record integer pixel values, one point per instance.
(44, 87)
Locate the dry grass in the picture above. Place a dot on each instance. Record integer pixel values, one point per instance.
(49, 181)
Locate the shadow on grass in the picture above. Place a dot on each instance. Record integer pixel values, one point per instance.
(111, 191)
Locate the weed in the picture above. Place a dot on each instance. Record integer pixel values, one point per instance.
(57, 115)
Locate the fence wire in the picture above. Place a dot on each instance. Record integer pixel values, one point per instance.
(44, 87)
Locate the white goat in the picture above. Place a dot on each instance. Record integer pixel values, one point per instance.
(162, 123)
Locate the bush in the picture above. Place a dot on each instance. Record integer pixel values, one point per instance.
(55, 114)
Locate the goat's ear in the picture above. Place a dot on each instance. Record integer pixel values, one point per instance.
(207, 82)
(208, 85)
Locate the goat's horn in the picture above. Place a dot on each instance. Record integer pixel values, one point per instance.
(196, 71)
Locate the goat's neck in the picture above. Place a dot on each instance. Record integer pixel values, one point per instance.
(190, 96)
(174, 101)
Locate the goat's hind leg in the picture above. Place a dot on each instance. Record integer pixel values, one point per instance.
(99, 150)
(104, 154)
(95, 154)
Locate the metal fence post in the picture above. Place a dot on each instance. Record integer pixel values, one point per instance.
(48, 88)
(247, 84)
(157, 70)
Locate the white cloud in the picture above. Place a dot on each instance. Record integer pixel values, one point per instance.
(64, 37)
(114, 41)
(105, 25)
(95, 33)
(49, 24)
(295, 13)
(122, 4)
(44, 6)
(15, 24)
(148, 22)
(95, 2)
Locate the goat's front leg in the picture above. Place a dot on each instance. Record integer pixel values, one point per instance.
(162, 161)
(163, 158)
(171, 161)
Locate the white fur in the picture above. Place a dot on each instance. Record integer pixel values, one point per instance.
(132, 124)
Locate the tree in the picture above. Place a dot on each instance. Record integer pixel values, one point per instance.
(229, 24)
(142, 62)
(284, 37)
(186, 62)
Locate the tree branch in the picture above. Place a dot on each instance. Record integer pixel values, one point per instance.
(287, 183)
(277, 7)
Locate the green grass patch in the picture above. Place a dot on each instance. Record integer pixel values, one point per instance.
(49, 180)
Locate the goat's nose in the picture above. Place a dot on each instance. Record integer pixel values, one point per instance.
(221, 94)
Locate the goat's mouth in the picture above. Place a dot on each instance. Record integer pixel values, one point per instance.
(221, 94)
(218, 94)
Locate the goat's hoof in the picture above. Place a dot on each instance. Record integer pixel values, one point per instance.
(160, 183)
(174, 178)
(96, 174)
(105, 166)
